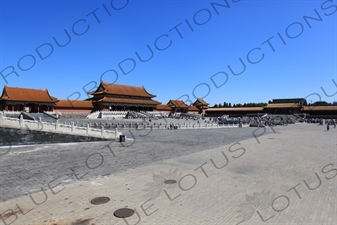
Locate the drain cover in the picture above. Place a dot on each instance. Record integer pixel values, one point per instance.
(170, 181)
(100, 200)
(124, 213)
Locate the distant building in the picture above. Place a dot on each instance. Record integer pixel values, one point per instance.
(285, 106)
(193, 109)
(201, 105)
(164, 108)
(278, 106)
(27, 100)
(299, 101)
(177, 106)
(122, 97)
(73, 106)
(320, 111)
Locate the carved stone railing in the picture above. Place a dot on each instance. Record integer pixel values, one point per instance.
(57, 127)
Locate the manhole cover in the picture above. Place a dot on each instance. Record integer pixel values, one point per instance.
(123, 213)
(100, 200)
(170, 181)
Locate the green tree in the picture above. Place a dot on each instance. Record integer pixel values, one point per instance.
(320, 103)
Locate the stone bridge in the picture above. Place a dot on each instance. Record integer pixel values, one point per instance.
(57, 127)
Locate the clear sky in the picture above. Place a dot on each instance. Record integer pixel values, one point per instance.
(288, 49)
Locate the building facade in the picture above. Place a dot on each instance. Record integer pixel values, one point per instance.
(75, 106)
(278, 106)
(201, 105)
(177, 106)
(122, 97)
(27, 100)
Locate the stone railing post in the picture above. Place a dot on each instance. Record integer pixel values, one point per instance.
(39, 123)
(102, 131)
(72, 126)
(56, 124)
(116, 130)
(21, 121)
(1, 117)
(88, 128)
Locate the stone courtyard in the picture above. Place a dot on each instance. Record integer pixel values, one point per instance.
(279, 175)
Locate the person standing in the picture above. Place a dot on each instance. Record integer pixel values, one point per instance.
(327, 126)
(240, 122)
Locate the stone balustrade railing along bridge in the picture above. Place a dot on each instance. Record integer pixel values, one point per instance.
(57, 127)
(89, 128)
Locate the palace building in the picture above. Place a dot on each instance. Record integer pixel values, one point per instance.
(278, 106)
(164, 108)
(73, 106)
(122, 97)
(27, 100)
(285, 106)
(177, 106)
(201, 105)
(320, 111)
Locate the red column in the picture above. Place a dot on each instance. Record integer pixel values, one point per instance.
(6, 107)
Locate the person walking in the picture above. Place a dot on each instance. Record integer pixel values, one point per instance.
(327, 126)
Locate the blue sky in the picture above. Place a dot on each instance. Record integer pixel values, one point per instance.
(196, 45)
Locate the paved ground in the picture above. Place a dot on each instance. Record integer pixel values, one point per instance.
(223, 177)
(28, 168)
